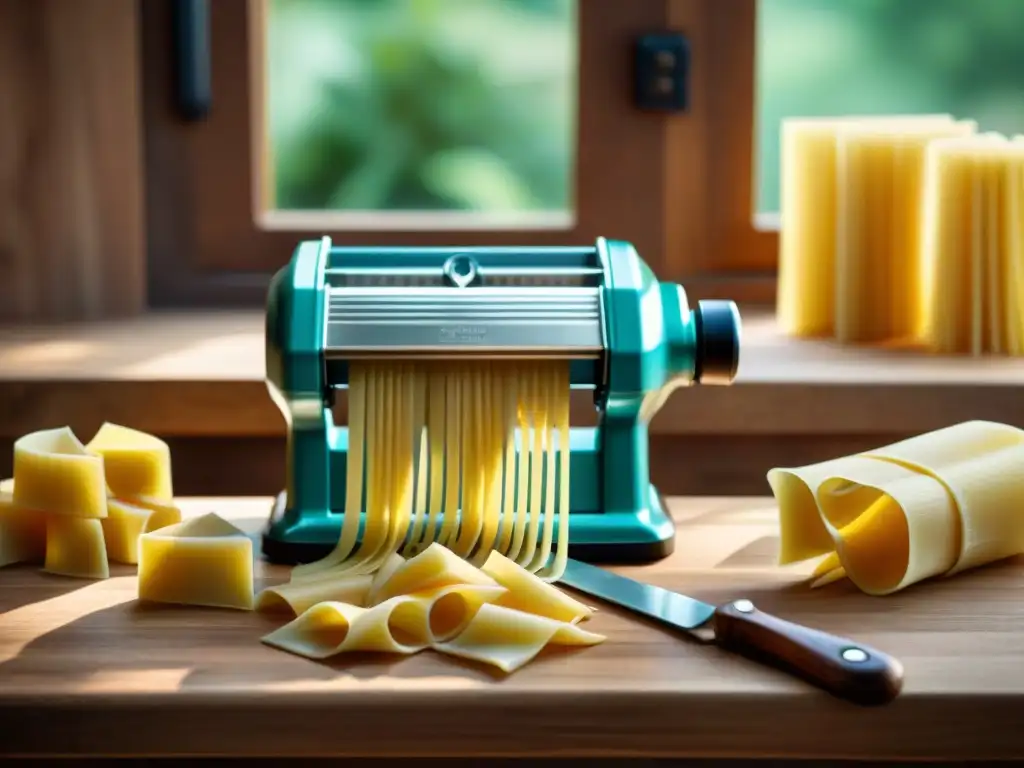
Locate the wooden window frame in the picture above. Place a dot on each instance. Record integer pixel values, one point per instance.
(686, 178)
(740, 256)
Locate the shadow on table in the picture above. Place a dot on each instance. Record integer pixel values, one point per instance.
(95, 637)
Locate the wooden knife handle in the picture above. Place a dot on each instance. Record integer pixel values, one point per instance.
(842, 667)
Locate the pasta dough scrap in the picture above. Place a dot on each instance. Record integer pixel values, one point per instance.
(55, 474)
(203, 561)
(164, 512)
(75, 547)
(329, 629)
(435, 567)
(526, 592)
(403, 624)
(508, 639)
(22, 533)
(936, 504)
(135, 463)
(124, 524)
(298, 597)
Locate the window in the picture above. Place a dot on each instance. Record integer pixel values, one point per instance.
(452, 114)
(770, 59)
(398, 122)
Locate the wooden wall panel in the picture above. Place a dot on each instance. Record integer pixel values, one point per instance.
(72, 242)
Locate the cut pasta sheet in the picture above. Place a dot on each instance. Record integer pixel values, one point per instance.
(404, 624)
(296, 597)
(525, 592)
(474, 457)
(508, 639)
(432, 600)
(936, 504)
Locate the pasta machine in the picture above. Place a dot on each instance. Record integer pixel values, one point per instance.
(627, 337)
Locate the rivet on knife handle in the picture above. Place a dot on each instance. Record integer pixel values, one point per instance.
(842, 667)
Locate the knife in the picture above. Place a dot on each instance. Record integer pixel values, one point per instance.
(847, 669)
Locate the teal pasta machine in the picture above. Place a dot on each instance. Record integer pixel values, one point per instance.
(627, 337)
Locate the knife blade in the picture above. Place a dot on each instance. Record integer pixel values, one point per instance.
(843, 667)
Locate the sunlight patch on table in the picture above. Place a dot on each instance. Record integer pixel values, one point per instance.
(381, 683)
(132, 681)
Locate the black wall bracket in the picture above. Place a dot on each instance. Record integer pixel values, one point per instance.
(191, 30)
(662, 72)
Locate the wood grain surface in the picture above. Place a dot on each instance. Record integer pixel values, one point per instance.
(72, 218)
(84, 670)
(200, 374)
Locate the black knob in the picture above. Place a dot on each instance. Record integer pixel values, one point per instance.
(718, 342)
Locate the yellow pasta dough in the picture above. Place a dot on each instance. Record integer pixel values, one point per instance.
(974, 246)
(125, 523)
(936, 504)
(75, 547)
(434, 567)
(55, 474)
(431, 600)
(880, 192)
(202, 561)
(508, 639)
(297, 597)
(810, 199)
(526, 592)
(435, 457)
(403, 624)
(136, 463)
(22, 533)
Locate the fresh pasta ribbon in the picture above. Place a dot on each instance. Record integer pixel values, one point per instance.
(933, 505)
(297, 597)
(330, 628)
(474, 457)
(502, 614)
(508, 639)
(526, 592)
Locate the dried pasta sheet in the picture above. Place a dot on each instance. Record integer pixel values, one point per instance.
(933, 505)
(508, 639)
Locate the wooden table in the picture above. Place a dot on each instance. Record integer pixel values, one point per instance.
(84, 670)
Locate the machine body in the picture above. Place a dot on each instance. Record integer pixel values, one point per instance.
(627, 337)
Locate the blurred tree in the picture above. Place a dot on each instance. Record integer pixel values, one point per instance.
(387, 105)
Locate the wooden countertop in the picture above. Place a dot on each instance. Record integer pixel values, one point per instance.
(83, 670)
(201, 373)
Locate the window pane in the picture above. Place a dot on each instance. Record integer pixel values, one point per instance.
(867, 57)
(424, 114)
